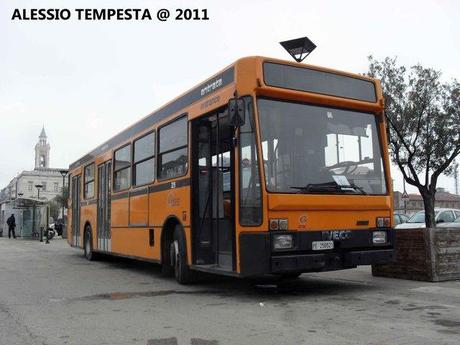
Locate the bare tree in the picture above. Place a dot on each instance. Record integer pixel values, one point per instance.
(423, 117)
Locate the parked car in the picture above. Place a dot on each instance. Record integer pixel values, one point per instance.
(400, 218)
(454, 224)
(442, 215)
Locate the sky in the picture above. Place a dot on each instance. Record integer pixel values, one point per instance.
(87, 80)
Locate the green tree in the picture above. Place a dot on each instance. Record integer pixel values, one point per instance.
(423, 124)
(54, 208)
(62, 199)
(56, 203)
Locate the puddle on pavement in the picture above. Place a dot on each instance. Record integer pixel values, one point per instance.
(173, 341)
(115, 296)
(268, 289)
(302, 288)
(162, 341)
(198, 341)
(450, 326)
(448, 323)
(243, 290)
(425, 307)
(393, 301)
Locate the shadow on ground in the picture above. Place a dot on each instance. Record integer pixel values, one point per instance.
(266, 288)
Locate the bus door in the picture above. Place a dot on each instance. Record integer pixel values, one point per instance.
(212, 197)
(76, 194)
(103, 207)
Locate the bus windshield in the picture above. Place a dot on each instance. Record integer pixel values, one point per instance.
(313, 149)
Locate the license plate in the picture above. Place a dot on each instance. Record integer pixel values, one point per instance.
(322, 245)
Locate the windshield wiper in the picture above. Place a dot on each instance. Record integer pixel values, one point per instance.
(355, 187)
(319, 187)
(328, 187)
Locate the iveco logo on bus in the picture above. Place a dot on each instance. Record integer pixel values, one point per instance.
(211, 86)
(335, 235)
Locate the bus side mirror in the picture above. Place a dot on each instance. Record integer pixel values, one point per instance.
(236, 112)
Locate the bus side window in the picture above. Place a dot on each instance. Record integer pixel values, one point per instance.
(122, 168)
(89, 181)
(144, 160)
(250, 188)
(172, 149)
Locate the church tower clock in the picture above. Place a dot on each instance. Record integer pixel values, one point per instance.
(42, 151)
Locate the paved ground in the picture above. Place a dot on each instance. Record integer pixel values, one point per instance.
(49, 294)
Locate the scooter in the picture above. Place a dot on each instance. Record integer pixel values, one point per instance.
(50, 233)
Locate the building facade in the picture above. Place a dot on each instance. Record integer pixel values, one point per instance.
(444, 199)
(31, 188)
(24, 185)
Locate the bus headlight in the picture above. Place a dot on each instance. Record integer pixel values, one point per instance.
(383, 222)
(379, 237)
(283, 241)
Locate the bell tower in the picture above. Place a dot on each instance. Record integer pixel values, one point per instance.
(42, 151)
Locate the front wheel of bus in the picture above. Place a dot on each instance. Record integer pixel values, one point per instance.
(178, 252)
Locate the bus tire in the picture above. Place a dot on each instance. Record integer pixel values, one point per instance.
(88, 245)
(178, 251)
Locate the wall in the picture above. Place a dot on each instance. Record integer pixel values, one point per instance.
(424, 254)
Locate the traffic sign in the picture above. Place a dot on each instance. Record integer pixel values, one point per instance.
(405, 196)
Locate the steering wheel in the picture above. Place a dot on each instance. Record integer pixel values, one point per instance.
(348, 165)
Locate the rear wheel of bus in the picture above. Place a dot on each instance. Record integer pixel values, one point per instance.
(88, 245)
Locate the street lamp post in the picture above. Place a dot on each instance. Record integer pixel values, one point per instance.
(38, 186)
(64, 174)
(21, 213)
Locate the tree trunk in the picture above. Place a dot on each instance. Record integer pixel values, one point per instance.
(428, 202)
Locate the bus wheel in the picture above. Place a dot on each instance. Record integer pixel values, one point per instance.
(88, 247)
(178, 252)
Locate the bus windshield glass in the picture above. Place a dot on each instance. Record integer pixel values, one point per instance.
(318, 150)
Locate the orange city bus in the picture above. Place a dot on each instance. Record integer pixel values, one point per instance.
(267, 167)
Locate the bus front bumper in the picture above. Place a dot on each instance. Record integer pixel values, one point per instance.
(329, 261)
(257, 256)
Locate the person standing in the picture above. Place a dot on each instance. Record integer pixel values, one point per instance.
(11, 226)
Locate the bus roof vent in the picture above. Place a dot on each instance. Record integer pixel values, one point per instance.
(299, 48)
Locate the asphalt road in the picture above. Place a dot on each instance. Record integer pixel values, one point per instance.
(49, 294)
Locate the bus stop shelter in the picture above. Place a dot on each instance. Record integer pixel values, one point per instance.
(31, 215)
